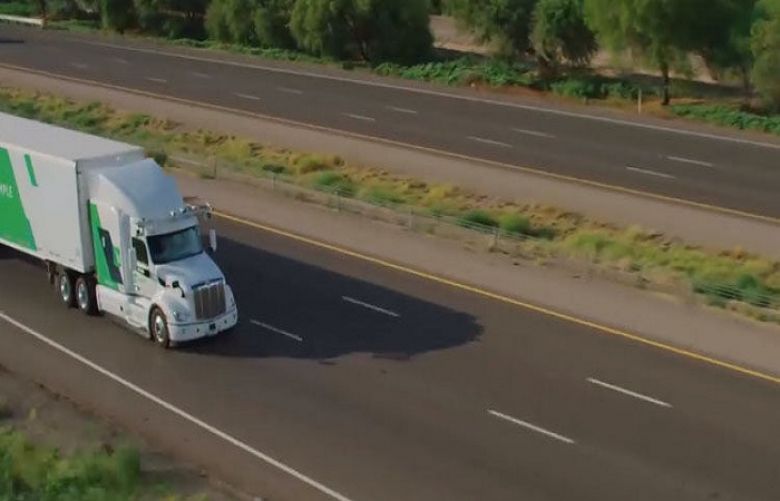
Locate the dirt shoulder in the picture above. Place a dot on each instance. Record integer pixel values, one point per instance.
(49, 422)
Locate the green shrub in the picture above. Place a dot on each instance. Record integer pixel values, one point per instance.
(479, 219)
(335, 182)
(730, 116)
(577, 88)
(382, 195)
(23, 9)
(515, 224)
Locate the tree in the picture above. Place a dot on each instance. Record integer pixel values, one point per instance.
(560, 33)
(231, 21)
(117, 15)
(373, 30)
(719, 31)
(765, 43)
(172, 18)
(272, 23)
(505, 21)
(653, 29)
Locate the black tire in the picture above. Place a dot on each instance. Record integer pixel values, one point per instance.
(158, 328)
(65, 289)
(86, 298)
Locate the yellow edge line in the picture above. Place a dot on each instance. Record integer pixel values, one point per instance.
(355, 135)
(498, 297)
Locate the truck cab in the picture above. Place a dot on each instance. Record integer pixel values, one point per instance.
(152, 266)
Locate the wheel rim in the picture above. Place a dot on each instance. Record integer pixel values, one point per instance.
(65, 291)
(160, 330)
(82, 295)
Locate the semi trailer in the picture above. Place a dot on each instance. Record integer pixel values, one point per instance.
(113, 230)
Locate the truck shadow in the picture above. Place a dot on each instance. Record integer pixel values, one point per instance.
(280, 298)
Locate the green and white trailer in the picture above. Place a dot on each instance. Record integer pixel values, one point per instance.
(113, 230)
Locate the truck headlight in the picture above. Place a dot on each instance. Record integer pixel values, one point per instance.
(179, 316)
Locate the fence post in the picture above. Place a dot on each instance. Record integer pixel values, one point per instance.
(273, 180)
(411, 218)
(496, 235)
(639, 102)
(214, 167)
(338, 200)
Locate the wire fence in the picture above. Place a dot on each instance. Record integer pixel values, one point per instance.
(519, 243)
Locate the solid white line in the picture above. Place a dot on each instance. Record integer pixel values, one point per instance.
(402, 110)
(246, 96)
(534, 133)
(690, 161)
(359, 117)
(531, 427)
(370, 306)
(490, 142)
(157, 80)
(289, 90)
(628, 392)
(278, 331)
(175, 410)
(430, 92)
(198, 74)
(651, 173)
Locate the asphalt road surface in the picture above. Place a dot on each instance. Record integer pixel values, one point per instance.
(384, 386)
(723, 171)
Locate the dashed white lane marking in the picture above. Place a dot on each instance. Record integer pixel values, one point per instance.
(176, 410)
(531, 427)
(290, 90)
(628, 392)
(80, 66)
(247, 96)
(157, 80)
(534, 133)
(360, 117)
(691, 161)
(277, 330)
(408, 111)
(199, 74)
(491, 142)
(120, 60)
(370, 306)
(651, 173)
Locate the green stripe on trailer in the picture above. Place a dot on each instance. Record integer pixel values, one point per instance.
(14, 225)
(30, 170)
(106, 265)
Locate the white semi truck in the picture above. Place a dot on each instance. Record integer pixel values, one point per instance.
(113, 230)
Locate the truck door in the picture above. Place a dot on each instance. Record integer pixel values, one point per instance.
(145, 285)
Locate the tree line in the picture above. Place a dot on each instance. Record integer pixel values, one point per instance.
(735, 38)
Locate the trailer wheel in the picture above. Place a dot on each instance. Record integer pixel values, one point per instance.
(158, 327)
(86, 298)
(65, 288)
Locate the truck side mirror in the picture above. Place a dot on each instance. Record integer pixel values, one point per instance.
(213, 240)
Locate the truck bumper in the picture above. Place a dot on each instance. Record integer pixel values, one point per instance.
(188, 332)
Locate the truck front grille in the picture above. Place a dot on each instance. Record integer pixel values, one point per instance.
(210, 300)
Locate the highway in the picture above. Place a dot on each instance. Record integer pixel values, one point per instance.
(383, 386)
(728, 170)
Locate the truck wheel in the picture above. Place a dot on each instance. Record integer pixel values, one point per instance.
(85, 295)
(65, 288)
(158, 326)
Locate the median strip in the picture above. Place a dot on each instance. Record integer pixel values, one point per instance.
(745, 283)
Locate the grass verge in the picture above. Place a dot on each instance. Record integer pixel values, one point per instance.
(726, 278)
(33, 472)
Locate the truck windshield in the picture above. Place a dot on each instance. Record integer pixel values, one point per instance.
(175, 246)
